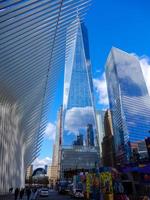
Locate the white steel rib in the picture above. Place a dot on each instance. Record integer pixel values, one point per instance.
(32, 53)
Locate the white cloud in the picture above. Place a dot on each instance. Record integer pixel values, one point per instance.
(77, 118)
(41, 162)
(50, 131)
(145, 65)
(101, 90)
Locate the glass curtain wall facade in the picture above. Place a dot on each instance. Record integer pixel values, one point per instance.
(101, 131)
(78, 92)
(32, 54)
(129, 103)
(78, 96)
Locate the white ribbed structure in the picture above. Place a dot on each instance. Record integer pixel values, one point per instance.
(32, 48)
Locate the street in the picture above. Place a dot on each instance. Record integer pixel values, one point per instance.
(53, 195)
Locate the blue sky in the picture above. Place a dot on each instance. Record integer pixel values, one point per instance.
(124, 24)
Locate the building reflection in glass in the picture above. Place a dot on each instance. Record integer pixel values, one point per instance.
(129, 104)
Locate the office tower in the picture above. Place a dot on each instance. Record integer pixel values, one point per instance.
(90, 135)
(79, 140)
(29, 172)
(46, 167)
(54, 160)
(32, 51)
(52, 174)
(78, 90)
(49, 171)
(108, 151)
(58, 137)
(78, 98)
(55, 167)
(129, 103)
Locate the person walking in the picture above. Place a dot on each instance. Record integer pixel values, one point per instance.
(34, 194)
(11, 190)
(28, 192)
(16, 193)
(21, 193)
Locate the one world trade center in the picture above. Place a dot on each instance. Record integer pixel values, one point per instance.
(79, 142)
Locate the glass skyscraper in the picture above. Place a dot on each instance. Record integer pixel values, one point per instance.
(90, 135)
(78, 90)
(78, 104)
(129, 104)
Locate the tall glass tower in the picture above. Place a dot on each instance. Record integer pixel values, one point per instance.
(129, 104)
(78, 90)
(78, 103)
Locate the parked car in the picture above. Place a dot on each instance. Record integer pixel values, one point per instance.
(44, 192)
(76, 192)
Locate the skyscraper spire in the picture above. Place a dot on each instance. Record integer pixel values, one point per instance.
(78, 102)
(78, 90)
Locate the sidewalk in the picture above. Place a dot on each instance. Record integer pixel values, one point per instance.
(11, 197)
(6, 197)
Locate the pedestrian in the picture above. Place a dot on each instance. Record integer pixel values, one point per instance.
(10, 190)
(21, 193)
(28, 192)
(96, 188)
(16, 193)
(34, 194)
